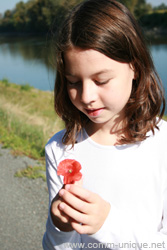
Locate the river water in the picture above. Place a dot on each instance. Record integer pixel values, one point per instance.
(31, 60)
(27, 60)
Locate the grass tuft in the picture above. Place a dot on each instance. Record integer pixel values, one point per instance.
(25, 87)
(32, 172)
(21, 137)
(5, 81)
(27, 121)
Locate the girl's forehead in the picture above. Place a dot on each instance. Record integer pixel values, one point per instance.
(77, 51)
(87, 54)
(77, 57)
(89, 62)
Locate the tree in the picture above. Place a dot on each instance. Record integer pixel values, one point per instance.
(40, 16)
(20, 18)
(141, 8)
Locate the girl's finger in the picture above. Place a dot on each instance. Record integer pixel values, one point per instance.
(80, 228)
(74, 201)
(64, 218)
(82, 193)
(74, 214)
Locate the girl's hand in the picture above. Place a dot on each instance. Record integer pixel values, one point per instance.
(59, 219)
(87, 210)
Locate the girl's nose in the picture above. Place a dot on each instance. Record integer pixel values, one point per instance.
(88, 92)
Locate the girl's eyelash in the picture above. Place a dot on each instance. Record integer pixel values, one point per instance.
(72, 83)
(101, 83)
(97, 82)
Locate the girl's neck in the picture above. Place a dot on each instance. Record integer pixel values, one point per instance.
(103, 135)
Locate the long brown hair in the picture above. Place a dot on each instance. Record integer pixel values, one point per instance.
(107, 26)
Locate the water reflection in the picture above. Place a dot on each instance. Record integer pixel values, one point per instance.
(28, 60)
(159, 55)
(29, 48)
(32, 60)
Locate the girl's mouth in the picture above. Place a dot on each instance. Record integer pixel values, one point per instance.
(94, 112)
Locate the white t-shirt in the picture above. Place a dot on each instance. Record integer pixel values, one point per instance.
(132, 178)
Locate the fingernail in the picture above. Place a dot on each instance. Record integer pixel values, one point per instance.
(61, 192)
(61, 206)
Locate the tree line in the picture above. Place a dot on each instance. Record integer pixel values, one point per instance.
(40, 16)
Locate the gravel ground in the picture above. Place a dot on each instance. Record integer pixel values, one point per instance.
(23, 205)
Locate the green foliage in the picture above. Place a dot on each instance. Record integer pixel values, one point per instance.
(5, 81)
(27, 119)
(154, 19)
(160, 7)
(41, 16)
(25, 87)
(32, 172)
(19, 136)
(36, 16)
(137, 7)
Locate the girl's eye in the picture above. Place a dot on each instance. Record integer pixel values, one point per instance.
(72, 83)
(101, 83)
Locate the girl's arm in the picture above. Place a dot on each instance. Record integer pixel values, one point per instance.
(55, 236)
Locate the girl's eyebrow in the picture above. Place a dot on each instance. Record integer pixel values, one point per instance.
(103, 72)
(68, 74)
(97, 73)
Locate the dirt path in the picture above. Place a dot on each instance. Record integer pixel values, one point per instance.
(23, 205)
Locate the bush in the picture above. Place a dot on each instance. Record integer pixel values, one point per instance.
(5, 81)
(154, 20)
(25, 87)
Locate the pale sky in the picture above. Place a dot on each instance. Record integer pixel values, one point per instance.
(10, 4)
(156, 2)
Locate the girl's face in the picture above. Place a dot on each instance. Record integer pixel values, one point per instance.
(97, 85)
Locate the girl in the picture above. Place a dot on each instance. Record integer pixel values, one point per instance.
(110, 98)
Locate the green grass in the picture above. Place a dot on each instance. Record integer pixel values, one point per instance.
(32, 172)
(27, 121)
(27, 118)
(5, 82)
(25, 87)
(21, 137)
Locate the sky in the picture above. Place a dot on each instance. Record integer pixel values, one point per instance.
(155, 2)
(10, 4)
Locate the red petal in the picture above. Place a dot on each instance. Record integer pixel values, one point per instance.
(71, 179)
(77, 177)
(77, 166)
(66, 165)
(65, 180)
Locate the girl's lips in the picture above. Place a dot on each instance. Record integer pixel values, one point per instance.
(94, 112)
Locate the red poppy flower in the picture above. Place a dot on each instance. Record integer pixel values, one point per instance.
(69, 168)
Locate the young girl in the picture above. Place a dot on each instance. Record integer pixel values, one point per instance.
(109, 96)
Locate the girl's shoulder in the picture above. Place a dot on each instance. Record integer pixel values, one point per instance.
(55, 141)
(57, 136)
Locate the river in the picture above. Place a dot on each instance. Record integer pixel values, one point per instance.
(27, 60)
(31, 60)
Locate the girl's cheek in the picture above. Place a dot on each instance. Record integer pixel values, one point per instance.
(72, 94)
